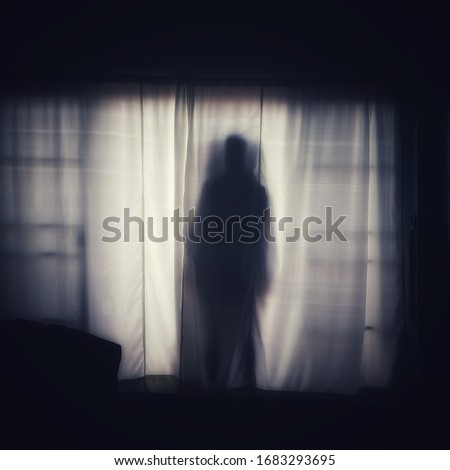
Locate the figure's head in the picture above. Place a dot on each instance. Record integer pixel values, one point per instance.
(235, 155)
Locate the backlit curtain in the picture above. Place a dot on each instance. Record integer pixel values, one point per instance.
(80, 169)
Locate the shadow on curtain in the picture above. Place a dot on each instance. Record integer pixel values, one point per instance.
(225, 272)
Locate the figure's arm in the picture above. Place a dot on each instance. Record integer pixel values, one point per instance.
(261, 280)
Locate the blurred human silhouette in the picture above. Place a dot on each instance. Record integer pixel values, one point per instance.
(229, 266)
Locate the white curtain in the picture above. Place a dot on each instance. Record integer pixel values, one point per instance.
(333, 312)
(331, 316)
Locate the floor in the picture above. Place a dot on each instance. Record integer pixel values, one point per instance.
(148, 413)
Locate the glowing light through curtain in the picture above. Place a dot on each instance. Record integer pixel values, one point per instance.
(41, 209)
(331, 318)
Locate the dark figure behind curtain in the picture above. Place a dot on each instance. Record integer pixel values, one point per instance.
(225, 275)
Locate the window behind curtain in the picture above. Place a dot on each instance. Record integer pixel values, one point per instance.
(331, 319)
(42, 248)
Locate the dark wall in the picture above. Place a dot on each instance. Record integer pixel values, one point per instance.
(316, 40)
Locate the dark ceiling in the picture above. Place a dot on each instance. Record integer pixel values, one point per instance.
(382, 43)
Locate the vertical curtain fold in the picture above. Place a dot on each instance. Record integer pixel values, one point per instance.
(165, 135)
(113, 175)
